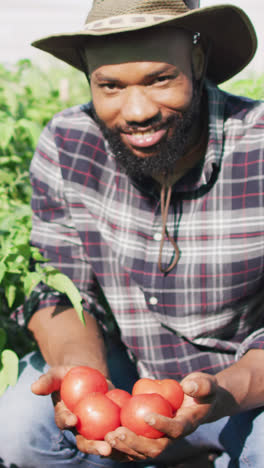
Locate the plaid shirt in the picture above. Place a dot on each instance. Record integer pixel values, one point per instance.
(99, 227)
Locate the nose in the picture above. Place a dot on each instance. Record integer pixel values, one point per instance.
(138, 107)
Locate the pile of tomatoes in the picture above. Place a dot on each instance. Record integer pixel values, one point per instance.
(84, 391)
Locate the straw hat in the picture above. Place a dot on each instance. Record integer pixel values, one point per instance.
(228, 29)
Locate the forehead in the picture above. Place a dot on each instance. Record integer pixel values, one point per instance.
(163, 45)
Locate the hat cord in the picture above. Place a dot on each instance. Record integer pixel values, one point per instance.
(165, 199)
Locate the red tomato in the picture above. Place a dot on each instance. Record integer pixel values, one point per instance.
(133, 412)
(97, 415)
(170, 389)
(118, 396)
(80, 381)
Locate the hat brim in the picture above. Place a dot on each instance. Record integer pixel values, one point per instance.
(228, 29)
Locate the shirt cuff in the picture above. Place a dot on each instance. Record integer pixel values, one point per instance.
(253, 341)
(43, 297)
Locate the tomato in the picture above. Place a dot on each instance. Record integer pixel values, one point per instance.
(118, 396)
(97, 415)
(80, 381)
(133, 412)
(170, 389)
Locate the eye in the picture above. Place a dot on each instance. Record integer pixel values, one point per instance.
(164, 79)
(109, 87)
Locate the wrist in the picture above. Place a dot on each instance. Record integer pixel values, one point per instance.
(245, 380)
(73, 355)
(234, 387)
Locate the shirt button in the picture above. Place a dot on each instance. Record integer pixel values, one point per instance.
(153, 300)
(157, 236)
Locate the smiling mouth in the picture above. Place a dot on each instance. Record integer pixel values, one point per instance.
(144, 139)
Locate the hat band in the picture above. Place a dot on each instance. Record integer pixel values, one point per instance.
(127, 21)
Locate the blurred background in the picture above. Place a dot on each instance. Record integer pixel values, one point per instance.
(21, 22)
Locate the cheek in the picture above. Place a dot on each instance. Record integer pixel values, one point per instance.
(179, 98)
(106, 109)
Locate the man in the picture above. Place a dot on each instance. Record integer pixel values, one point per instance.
(151, 197)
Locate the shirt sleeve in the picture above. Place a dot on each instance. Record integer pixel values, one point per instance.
(254, 341)
(53, 231)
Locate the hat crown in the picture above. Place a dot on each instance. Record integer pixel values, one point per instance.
(102, 9)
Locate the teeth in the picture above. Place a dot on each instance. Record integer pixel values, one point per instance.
(143, 134)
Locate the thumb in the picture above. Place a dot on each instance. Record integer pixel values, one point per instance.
(46, 384)
(199, 385)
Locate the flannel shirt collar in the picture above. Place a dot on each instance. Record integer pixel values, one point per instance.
(214, 153)
(202, 177)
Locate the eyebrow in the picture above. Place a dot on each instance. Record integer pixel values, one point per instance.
(110, 79)
(163, 69)
(101, 77)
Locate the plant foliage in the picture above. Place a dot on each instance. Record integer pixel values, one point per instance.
(29, 98)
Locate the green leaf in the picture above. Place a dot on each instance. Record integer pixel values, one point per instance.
(36, 255)
(11, 92)
(3, 384)
(4, 176)
(2, 116)
(9, 369)
(2, 338)
(7, 159)
(31, 280)
(10, 293)
(2, 270)
(63, 284)
(32, 129)
(10, 363)
(6, 133)
(22, 249)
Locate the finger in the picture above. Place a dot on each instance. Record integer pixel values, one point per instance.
(138, 447)
(119, 456)
(199, 385)
(46, 384)
(93, 447)
(119, 445)
(110, 384)
(64, 419)
(185, 422)
(173, 428)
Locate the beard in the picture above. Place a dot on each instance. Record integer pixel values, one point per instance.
(169, 151)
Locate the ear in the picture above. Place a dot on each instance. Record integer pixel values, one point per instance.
(198, 61)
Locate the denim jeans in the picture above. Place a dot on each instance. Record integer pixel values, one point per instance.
(29, 437)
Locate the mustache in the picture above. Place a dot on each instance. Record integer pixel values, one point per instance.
(150, 124)
(155, 123)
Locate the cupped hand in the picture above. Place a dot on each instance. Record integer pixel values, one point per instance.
(204, 401)
(49, 384)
